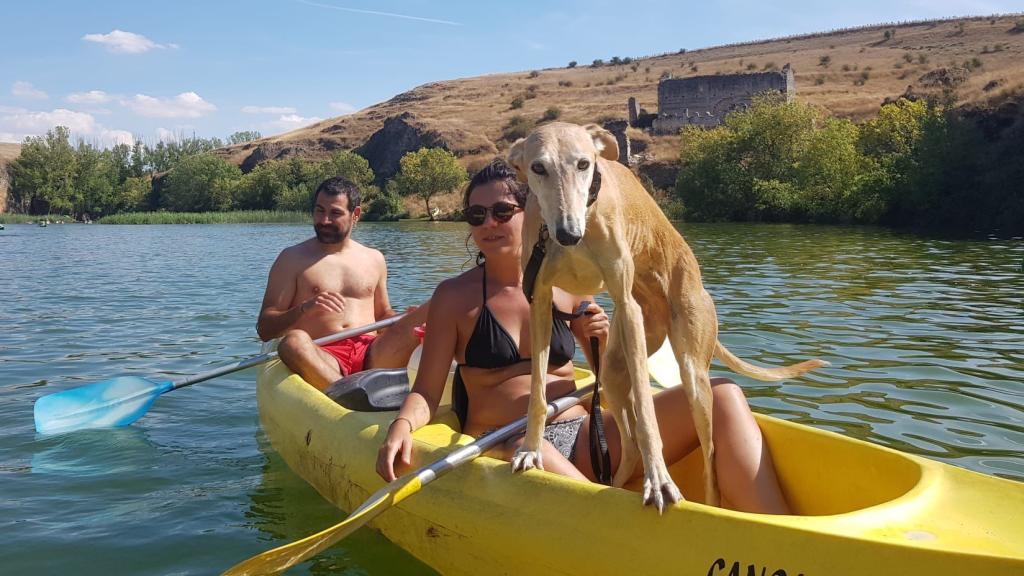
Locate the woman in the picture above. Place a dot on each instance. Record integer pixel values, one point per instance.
(481, 318)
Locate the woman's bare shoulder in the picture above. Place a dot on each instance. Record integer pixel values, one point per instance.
(452, 294)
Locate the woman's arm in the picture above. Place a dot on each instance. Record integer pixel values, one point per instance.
(419, 406)
(594, 323)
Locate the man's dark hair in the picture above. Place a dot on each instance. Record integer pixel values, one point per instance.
(336, 186)
(498, 171)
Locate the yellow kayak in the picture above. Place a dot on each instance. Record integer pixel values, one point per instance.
(860, 508)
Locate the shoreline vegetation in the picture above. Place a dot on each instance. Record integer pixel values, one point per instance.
(918, 165)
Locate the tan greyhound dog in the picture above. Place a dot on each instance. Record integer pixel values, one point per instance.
(610, 234)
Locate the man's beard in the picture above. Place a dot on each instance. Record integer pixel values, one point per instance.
(327, 234)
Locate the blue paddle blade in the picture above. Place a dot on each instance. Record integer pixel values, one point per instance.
(107, 404)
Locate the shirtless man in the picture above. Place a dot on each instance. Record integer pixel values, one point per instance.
(328, 284)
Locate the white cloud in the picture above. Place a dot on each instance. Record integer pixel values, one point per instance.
(17, 124)
(184, 105)
(290, 122)
(90, 97)
(15, 127)
(125, 42)
(343, 107)
(268, 109)
(165, 135)
(112, 137)
(22, 89)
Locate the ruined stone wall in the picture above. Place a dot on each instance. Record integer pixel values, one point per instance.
(706, 100)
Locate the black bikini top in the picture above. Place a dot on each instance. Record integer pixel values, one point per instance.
(491, 346)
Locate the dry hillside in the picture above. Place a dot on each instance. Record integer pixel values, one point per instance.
(847, 73)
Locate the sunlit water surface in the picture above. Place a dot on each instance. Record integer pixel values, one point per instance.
(925, 337)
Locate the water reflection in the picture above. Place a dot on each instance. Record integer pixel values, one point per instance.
(284, 508)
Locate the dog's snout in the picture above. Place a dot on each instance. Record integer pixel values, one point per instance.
(567, 238)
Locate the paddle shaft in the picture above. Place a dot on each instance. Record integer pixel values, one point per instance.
(431, 472)
(267, 357)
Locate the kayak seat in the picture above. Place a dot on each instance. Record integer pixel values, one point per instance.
(375, 390)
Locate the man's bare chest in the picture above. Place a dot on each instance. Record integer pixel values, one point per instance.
(329, 275)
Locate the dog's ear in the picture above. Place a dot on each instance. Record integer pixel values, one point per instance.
(605, 142)
(515, 158)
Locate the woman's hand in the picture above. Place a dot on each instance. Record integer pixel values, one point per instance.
(595, 323)
(398, 444)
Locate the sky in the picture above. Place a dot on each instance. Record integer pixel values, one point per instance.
(120, 71)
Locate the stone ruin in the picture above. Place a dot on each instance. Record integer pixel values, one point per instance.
(706, 100)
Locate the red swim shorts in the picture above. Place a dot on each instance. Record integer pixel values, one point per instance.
(350, 353)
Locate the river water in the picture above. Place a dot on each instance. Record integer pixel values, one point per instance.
(925, 337)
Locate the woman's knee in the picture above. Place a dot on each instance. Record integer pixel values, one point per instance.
(728, 399)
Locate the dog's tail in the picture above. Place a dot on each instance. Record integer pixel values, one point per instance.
(761, 373)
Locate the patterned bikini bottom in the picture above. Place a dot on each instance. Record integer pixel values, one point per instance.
(561, 434)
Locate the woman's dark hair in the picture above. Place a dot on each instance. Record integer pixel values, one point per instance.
(497, 171)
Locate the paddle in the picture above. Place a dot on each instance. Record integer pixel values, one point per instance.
(123, 400)
(284, 557)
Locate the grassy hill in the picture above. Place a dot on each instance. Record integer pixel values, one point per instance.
(846, 72)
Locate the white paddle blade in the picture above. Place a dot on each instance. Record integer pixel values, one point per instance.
(107, 404)
(663, 368)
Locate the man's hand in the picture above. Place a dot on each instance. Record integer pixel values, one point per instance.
(323, 302)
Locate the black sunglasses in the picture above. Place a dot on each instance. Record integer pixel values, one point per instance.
(500, 211)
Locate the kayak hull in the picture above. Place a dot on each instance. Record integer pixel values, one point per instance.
(862, 509)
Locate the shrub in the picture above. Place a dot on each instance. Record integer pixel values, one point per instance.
(533, 74)
(551, 114)
(598, 63)
(518, 127)
(819, 81)
(824, 61)
(517, 102)
(751, 66)
(572, 64)
(200, 183)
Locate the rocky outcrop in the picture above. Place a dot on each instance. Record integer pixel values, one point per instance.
(407, 133)
(662, 173)
(947, 78)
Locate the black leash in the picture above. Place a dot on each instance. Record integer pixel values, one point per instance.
(600, 458)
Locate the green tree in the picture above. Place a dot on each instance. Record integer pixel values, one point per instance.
(244, 136)
(95, 179)
(351, 166)
(200, 183)
(429, 171)
(135, 193)
(43, 176)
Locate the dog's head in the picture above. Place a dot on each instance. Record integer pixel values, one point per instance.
(559, 161)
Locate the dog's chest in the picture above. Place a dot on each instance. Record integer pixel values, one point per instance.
(575, 270)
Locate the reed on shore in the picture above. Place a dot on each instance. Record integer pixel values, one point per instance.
(234, 217)
(32, 218)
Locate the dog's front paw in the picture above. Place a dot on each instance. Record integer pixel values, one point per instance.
(659, 490)
(525, 459)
